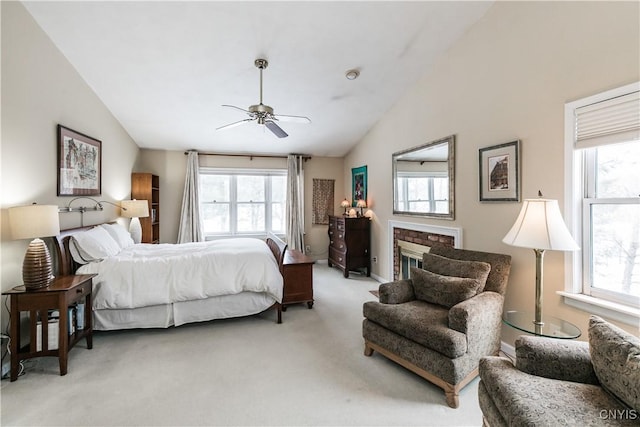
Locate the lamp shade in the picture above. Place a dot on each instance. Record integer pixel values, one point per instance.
(345, 203)
(540, 226)
(31, 221)
(135, 208)
(361, 203)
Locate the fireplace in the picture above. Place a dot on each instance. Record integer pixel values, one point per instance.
(408, 241)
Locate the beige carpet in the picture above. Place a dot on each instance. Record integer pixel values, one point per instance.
(310, 370)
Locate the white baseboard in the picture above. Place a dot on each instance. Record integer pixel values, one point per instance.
(508, 349)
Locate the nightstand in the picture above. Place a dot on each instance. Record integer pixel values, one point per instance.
(63, 295)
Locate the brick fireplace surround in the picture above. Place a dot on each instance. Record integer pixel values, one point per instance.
(421, 235)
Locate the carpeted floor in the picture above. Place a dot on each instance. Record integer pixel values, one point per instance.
(310, 370)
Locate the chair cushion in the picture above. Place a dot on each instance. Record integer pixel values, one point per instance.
(419, 321)
(615, 355)
(442, 290)
(456, 268)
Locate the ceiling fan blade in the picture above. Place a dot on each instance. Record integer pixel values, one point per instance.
(277, 130)
(237, 108)
(234, 124)
(292, 119)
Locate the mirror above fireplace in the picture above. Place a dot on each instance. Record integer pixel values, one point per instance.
(423, 180)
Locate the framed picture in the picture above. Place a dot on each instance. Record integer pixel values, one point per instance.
(500, 173)
(79, 164)
(359, 184)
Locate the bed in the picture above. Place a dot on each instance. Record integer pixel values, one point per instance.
(158, 286)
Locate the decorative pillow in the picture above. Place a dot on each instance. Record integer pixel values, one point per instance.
(119, 234)
(94, 245)
(442, 290)
(456, 268)
(615, 355)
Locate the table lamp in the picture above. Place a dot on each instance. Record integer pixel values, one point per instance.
(33, 222)
(361, 204)
(135, 209)
(345, 204)
(540, 227)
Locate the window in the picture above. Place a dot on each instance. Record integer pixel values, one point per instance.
(247, 202)
(423, 192)
(603, 148)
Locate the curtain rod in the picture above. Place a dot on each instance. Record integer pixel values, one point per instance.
(250, 156)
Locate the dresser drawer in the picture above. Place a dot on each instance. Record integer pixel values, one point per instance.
(337, 257)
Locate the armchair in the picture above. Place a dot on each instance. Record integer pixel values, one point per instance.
(442, 342)
(559, 382)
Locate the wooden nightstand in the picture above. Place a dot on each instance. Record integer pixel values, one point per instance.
(65, 292)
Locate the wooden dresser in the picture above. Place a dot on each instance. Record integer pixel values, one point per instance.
(349, 243)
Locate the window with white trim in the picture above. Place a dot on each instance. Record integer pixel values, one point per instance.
(242, 202)
(604, 133)
(423, 192)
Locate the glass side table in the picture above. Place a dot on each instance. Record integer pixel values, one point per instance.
(552, 327)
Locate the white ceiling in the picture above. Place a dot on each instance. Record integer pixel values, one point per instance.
(165, 68)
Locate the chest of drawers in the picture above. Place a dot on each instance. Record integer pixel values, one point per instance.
(349, 244)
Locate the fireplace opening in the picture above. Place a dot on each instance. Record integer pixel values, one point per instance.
(410, 255)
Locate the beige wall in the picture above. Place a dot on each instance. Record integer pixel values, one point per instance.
(508, 78)
(170, 166)
(40, 90)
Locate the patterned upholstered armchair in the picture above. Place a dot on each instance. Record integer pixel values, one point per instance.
(565, 383)
(443, 320)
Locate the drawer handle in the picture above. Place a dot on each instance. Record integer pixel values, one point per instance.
(340, 259)
(79, 291)
(332, 242)
(341, 246)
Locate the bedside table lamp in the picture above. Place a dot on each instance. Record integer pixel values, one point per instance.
(361, 204)
(33, 222)
(135, 209)
(540, 227)
(345, 204)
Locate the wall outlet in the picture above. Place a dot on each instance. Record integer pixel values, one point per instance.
(375, 259)
(307, 248)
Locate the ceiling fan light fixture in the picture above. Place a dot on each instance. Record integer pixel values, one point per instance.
(352, 74)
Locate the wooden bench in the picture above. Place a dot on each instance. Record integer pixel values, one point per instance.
(297, 273)
(298, 279)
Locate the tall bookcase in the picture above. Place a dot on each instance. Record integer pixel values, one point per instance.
(146, 186)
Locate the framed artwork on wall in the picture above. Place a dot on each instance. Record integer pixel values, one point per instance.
(359, 184)
(499, 167)
(79, 164)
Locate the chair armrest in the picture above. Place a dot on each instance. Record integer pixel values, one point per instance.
(556, 359)
(479, 312)
(397, 292)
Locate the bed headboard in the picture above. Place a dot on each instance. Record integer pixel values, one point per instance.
(66, 264)
(278, 248)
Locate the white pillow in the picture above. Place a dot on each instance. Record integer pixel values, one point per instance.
(95, 245)
(119, 234)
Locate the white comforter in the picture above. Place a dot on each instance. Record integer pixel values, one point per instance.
(145, 275)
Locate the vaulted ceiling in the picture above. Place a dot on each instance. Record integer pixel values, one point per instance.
(164, 69)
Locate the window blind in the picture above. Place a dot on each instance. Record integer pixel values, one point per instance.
(608, 122)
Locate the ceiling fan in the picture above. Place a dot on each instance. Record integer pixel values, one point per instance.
(263, 114)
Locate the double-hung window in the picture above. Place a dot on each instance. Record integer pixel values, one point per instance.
(603, 187)
(423, 192)
(242, 202)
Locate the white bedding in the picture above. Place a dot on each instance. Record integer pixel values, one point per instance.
(147, 275)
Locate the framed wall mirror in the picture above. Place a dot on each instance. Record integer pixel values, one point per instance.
(424, 180)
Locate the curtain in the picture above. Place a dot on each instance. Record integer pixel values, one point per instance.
(191, 229)
(295, 203)
(323, 201)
